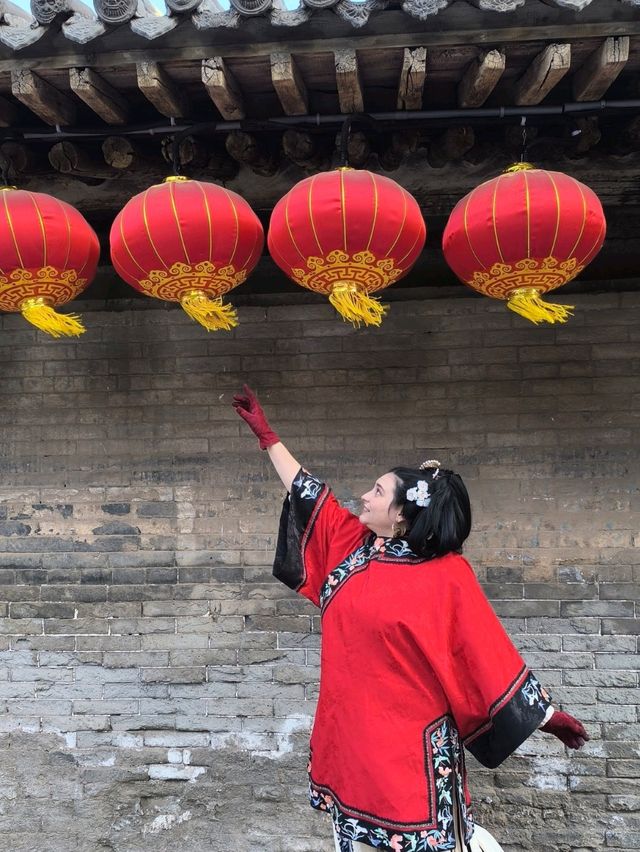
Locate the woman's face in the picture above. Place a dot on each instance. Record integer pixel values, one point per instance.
(379, 511)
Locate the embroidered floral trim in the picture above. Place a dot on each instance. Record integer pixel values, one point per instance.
(447, 767)
(534, 694)
(307, 486)
(381, 549)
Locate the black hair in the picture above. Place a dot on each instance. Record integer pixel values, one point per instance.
(443, 525)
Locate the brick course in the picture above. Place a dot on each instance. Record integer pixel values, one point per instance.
(157, 685)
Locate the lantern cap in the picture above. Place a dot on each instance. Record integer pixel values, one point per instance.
(518, 167)
(176, 179)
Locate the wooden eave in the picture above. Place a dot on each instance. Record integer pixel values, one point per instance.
(311, 64)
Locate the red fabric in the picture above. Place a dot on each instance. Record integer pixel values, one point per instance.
(349, 210)
(336, 532)
(526, 214)
(184, 222)
(38, 230)
(402, 646)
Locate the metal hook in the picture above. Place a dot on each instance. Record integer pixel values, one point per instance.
(523, 125)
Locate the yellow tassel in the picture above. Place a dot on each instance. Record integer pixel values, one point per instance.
(39, 312)
(355, 306)
(210, 313)
(526, 301)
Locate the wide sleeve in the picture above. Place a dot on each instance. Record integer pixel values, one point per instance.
(495, 700)
(316, 533)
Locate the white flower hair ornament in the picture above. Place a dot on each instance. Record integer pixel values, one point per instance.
(420, 494)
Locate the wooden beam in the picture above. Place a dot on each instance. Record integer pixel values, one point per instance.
(289, 85)
(452, 145)
(223, 88)
(160, 90)
(481, 78)
(18, 160)
(397, 147)
(97, 94)
(71, 159)
(412, 76)
(221, 166)
(586, 134)
(600, 70)
(458, 25)
(358, 149)
(247, 150)
(348, 81)
(547, 69)
(192, 152)
(305, 150)
(49, 104)
(122, 153)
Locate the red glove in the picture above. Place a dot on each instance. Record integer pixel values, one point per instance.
(566, 728)
(251, 412)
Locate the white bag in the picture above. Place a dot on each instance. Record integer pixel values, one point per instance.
(482, 841)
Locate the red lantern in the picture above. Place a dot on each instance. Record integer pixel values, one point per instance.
(190, 242)
(523, 234)
(48, 255)
(347, 233)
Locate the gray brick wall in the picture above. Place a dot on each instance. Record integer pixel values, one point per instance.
(156, 685)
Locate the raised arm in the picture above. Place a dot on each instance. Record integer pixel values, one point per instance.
(248, 407)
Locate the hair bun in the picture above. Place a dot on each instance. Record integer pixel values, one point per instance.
(430, 463)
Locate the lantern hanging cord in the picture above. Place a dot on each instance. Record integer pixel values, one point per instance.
(5, 166)
(345, 133)
(523, 124)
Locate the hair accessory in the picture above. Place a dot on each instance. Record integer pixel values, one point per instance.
(431, 464)
(419, 494)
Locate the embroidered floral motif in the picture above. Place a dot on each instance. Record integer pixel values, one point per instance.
(308, 487)
(397, 547)
(382, 549)
(354, 560)
(534, 694)
(443, 744)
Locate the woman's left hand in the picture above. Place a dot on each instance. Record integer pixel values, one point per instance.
(567, 729)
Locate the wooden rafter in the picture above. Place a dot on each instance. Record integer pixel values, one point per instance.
(547, 69)
(481, 78)
(223, 88)
(160, 90)
(97, 94)
(600, 70)
(289, 85)
(47, 102)
(348, 81)
(412, 76)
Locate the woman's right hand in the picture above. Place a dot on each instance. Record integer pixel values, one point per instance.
(247, 406)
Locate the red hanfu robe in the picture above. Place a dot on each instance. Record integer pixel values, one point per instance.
(414, 664)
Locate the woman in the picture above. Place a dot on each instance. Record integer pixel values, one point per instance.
(414, 661)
